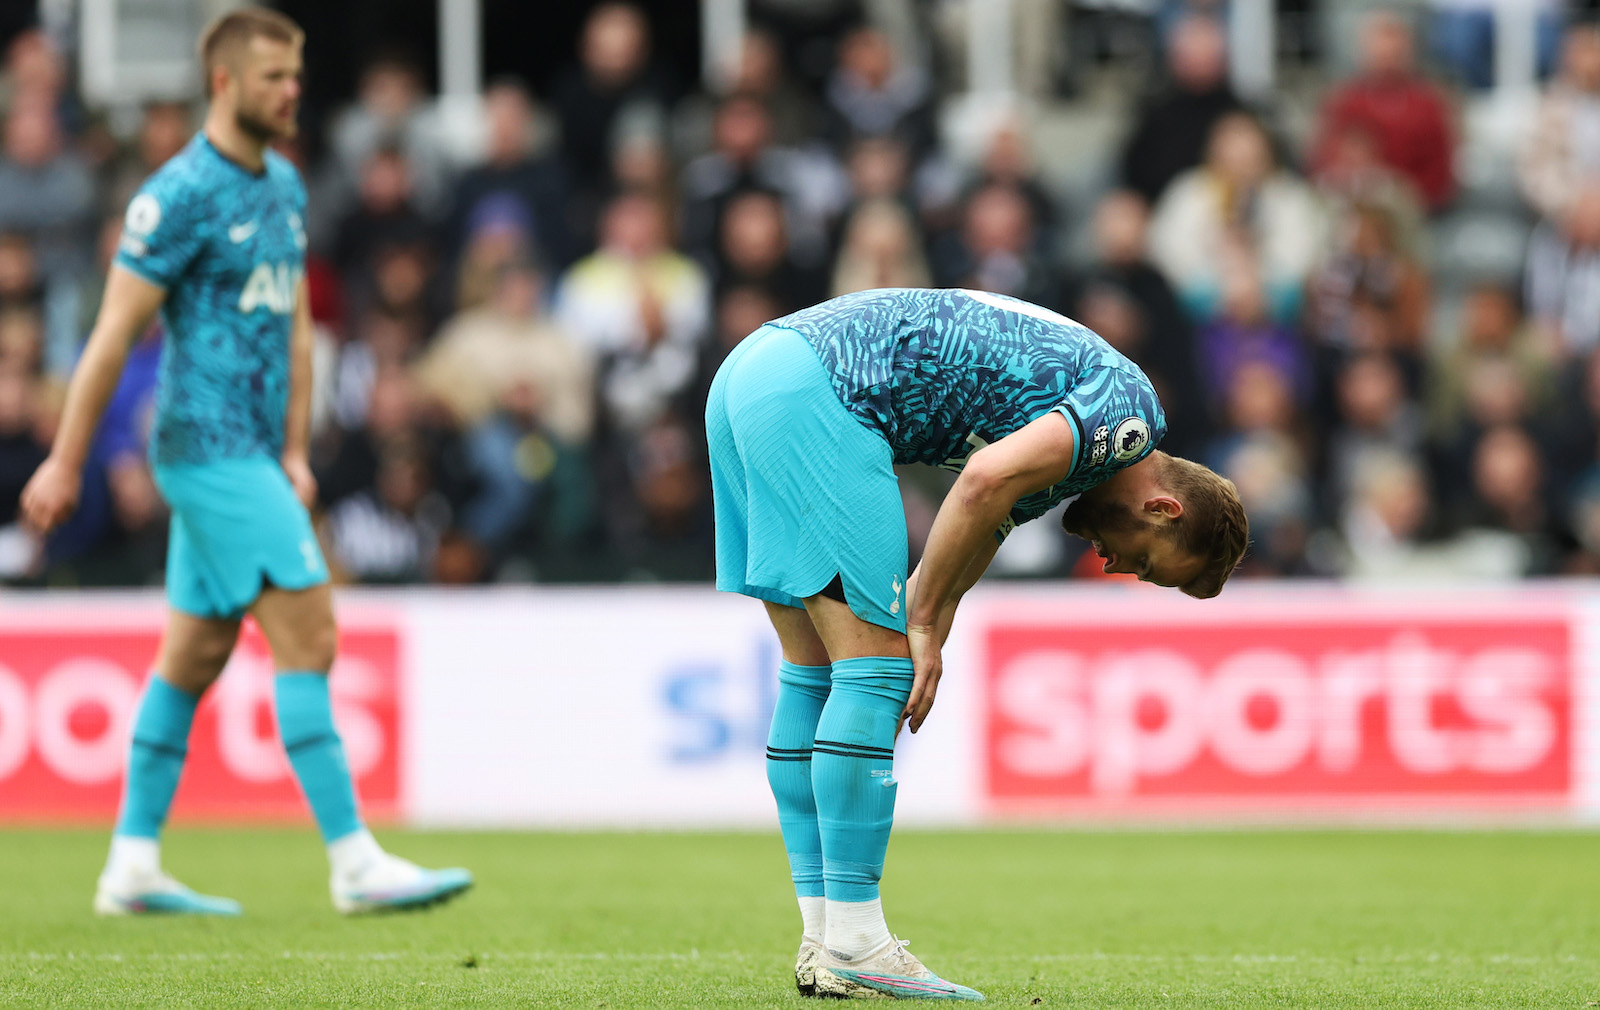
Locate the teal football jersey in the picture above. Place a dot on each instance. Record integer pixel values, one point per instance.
(228, 245)
(942, 372)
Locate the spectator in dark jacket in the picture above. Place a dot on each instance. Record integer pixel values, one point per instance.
(1172, 130)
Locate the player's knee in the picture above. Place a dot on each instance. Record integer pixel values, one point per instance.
(319, 645)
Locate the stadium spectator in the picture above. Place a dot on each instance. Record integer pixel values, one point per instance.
(1125, 299)
(1264, 447)
(614, 77)
(163, 130)
(881, 249)
(33, 65)
(1007, 161)
(1244, 332)
(873, 93)
(1170, 134)
(515, 169)
(47, 194)
(390, 113)
(1375, 415)
(878, 169)
(1509, 495)
(1386, 519)
(641, 308)
(1563, 275)
(742, 158)
(661, 524)
(20, 283)
(384, 343)
(484, 353)
(1491, 329)
(1562, 152)
(390, 532)
(753, 250)
(1355, 176)
(997, 249)
(1236, 209)
(384, 215)
(759, 73)
(498, 234)
(1407, 115)
(1368, 293)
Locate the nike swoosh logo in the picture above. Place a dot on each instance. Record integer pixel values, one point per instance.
(240, 232)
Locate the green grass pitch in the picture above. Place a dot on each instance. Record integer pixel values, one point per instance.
(1134, 919)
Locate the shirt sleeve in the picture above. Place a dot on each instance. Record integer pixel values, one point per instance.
(1116, 420)
(161, 232)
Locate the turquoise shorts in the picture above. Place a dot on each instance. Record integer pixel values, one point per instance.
(804, 492)
(237, 527)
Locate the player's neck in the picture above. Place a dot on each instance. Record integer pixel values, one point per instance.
(239, 147)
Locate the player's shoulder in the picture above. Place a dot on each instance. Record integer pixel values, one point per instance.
(283, 172)
(185, 178)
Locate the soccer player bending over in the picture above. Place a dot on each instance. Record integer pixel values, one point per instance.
(806, 420)
(215, 240)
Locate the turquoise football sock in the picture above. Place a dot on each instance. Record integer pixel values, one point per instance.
(802, 691)
(155, 758)
(305, 722)
(852, 772)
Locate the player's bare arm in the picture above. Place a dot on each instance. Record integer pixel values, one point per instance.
(1032, 458)
(969, 578)
(130, 303)
(296, 458)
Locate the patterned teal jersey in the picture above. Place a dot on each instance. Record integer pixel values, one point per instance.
(228, 245)
(941, 373)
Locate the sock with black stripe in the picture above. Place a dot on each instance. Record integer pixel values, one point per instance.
(802, 691)
(852, 775)
(305, 723)
(155, 762)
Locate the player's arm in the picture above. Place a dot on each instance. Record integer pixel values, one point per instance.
(969, 578)
(296, 459)
(130, 303)
(1032, 458)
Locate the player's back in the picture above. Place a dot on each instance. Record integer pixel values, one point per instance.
(931, 368)
(228, 246)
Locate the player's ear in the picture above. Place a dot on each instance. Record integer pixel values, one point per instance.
(1163, 505)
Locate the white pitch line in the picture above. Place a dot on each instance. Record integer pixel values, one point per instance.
(1417, 957)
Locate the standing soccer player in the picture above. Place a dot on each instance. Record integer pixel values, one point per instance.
(806, 420)
(215, 240)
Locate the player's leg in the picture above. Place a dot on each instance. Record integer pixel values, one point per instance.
(853, 776)
(803, 681)
(193, 652)
(300, 629)
(853, 769)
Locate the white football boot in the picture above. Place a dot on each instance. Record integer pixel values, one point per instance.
(135, 892)
(805, 967)
(387, 883)
(890, 972)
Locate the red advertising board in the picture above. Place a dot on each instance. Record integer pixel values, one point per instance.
(67, 700)
(1256, 712)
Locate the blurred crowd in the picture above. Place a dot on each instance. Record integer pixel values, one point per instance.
(514, 345)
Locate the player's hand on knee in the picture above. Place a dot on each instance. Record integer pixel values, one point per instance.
(50, 495)
(927, 666)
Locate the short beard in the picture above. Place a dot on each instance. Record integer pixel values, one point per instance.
(257, 129)
(1096, 513)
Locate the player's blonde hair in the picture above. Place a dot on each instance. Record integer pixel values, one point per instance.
(1213, 525)
(225, 37)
